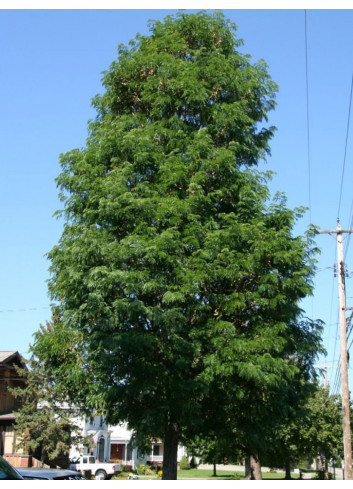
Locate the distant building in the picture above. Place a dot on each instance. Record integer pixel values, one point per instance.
(95, 431)
(105, 442)
(109, 443)
(8, 403)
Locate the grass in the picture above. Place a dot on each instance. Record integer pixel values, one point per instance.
(205, 474)
(227, 475)
(208, 475)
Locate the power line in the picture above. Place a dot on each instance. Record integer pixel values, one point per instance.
(347, 443)
(337, 382)
(25, 309)
(336, 335)
(345, 149)
(307, 111)
(308, 140)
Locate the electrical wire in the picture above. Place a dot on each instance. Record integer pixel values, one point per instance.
(307, 111)
(332, 323)
(349, 235)
(345, 148)
(337, 382)
(24, 309)
(336, 389)
(308, 140)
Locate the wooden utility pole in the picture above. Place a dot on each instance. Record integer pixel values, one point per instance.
(347, 444)
(324, 368)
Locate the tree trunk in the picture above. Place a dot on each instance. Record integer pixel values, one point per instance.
(43, 457)
(170, 454)
(214, 470)
(325, 467)
(288, 476)
(247, 468)
(255, 468)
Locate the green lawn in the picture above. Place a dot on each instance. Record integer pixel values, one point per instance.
(205, 474)
(226, 475)
(208, 474)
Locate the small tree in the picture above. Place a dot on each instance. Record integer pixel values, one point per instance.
(44, 426)
(184, 464)
(314, 430)
(321, 429)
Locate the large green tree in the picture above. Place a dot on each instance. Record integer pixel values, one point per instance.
(172, 265)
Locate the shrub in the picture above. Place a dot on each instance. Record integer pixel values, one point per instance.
(141, 469)
(145, 470)
(184, 464)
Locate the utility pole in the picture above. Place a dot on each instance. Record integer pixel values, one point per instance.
(324, 368)
(347, 444)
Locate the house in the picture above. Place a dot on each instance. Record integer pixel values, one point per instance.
(9, 378)
(107, 443)
(113, 443)
(121, 449)
(95, 431)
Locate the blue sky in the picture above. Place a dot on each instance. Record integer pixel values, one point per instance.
(51, 65)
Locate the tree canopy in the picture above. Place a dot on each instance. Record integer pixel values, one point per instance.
(45, 425)
(321, 430)
(174, 268)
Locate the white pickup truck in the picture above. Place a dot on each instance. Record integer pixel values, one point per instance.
(100, 470)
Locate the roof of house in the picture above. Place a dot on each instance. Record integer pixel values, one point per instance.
(7, 357)
(7, 417)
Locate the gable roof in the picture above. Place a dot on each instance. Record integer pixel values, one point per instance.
(11, 356)
(6, 355)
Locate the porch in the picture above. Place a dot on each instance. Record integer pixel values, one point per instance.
(121, 453)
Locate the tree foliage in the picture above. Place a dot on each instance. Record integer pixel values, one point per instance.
(314, 431)
(45, 424)
(321, 431)
(173, 268)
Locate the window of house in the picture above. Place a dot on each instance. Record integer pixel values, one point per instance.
(155, 450)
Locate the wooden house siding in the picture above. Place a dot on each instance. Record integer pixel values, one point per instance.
(9, 378)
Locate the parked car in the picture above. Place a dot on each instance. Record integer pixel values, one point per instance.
(50, 474)
(100, 470)
(7, 472)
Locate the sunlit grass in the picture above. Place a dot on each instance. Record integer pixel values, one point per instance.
(207, 474)
(227, 475)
